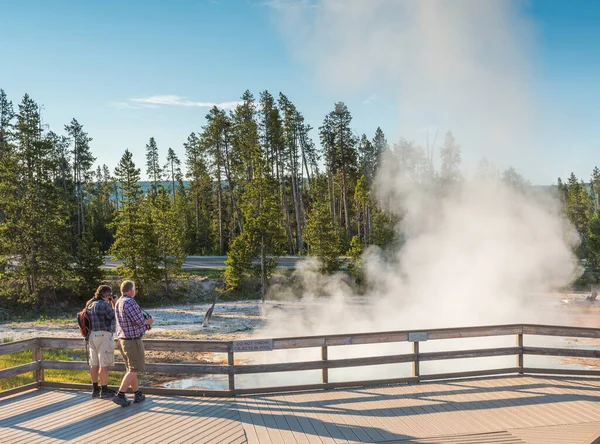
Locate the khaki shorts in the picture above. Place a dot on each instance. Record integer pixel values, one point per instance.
(133, 354)
(102, 349)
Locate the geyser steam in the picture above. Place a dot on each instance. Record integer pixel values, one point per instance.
(474, 251)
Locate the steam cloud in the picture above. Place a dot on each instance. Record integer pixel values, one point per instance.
(474, 255)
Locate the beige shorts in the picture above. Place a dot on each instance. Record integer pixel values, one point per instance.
(102, 349)
(133, 354)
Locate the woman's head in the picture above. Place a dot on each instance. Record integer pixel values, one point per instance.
(103, 291)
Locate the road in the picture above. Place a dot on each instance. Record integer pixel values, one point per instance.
(199, 262)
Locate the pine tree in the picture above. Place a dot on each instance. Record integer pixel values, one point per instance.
(82, 163)
(261, 237)
(33, 227)
(341, 157)
(88, 260)
(169, 229)
(153, 169)
(450, 174)
(173, 169)
(322, 235)
(6, 116)
(579, 205)
(135, 239)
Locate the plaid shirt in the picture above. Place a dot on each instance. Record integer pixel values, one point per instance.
(130, 320)
(102, 316)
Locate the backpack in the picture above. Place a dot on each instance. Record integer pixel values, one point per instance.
(84, 322)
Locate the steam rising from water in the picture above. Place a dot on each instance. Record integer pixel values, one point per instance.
(471, 255)
(475, 253)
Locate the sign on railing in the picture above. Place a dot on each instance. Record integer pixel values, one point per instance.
(418, 336)
(252, 345)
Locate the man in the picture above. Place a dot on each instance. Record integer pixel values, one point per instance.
(101, 342)
(131, 326)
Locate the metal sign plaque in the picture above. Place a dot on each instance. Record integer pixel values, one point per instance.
(417, 336)
(253, 345)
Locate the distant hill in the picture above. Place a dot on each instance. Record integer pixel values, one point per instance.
(146, 185)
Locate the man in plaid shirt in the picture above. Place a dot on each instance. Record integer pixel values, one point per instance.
(131, 326)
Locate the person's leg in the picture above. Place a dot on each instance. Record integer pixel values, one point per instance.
(107, 358)
(94, 364)
(94, 371)
(129, 380)
(103, 375)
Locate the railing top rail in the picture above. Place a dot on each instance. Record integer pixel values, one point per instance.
(17, 346)
(339, 339)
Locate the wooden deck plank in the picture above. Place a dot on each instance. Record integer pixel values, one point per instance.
(432, 413)
(132, 419)
(582, 433)
(140, 419)
(348, 416)
(177, 418)
(220, 417)
(480, 410)
(315, 433)
(505, 417)
(346, 434)
(407, 406)
(258, 421)
(292, 420)
(246, 420)
(322, 423)
(516, 390)
(206, 430)
(404, 424)
(446, 414)
(271, 403)
(373, 417)
(172, 417)
(501, 400)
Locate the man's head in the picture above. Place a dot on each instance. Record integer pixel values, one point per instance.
(103, 292)
(128, 288)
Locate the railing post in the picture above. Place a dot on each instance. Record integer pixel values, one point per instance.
(37, 354)
(231, 364)
(520, 355)
(416, 369)
(325, 376)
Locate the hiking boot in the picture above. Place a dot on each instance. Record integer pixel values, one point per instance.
(108, 394)
(139, 397)
(123, 402)
(96, 393)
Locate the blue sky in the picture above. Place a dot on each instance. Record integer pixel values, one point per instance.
(92, 60)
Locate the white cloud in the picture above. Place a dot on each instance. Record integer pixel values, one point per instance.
(169, 100)
(370, 99)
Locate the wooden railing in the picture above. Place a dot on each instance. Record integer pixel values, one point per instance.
(416, 357)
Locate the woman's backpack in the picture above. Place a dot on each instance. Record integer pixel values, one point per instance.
(85, 323)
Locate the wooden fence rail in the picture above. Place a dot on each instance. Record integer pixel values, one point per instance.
(230, 348)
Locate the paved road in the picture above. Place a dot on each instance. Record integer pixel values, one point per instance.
(192, 262)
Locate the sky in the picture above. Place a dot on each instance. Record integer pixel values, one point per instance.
(133, 70)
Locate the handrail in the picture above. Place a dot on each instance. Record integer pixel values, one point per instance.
(39, 364)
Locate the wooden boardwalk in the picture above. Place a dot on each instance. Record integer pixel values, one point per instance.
(510, 409)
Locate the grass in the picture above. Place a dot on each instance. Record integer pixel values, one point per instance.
(68, 376)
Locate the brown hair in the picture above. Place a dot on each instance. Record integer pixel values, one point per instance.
(102, 290)
(127, 286)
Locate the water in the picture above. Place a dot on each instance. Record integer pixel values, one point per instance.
(570, 310)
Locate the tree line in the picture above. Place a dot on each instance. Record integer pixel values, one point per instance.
(253, 185)
(581, 204)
